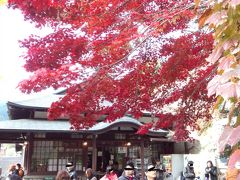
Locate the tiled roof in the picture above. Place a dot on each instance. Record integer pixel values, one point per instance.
(42, 101)
(31, 125)
(38, 102)
(34, 125)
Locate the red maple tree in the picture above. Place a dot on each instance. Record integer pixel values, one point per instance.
(118, 57)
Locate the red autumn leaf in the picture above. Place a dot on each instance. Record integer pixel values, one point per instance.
(122, 53)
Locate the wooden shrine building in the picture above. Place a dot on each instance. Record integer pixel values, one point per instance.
(49, 145)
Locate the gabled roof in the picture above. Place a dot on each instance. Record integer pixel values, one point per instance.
(33, 125)
(43, 102)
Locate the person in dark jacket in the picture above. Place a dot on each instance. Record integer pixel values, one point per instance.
(188, 171)
(116, 169)
(19, 170)
(160, 170)
(211, 171)
(128, 173)
(13, 173)
(71, 171)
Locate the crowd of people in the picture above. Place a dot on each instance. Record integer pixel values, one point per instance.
(155, 171)
(113, 173)
(189, 173)
(129, 173)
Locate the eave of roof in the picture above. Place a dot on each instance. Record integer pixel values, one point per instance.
(43, 102)
(34, 125)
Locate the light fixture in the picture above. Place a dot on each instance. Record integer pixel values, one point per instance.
(25, 143)
(85, 143)
(129, 144)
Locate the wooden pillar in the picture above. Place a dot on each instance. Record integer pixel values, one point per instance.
(85, 156)
(94, 153)
(186, 148)
(142, 160)
(25, 159)
(28, 152)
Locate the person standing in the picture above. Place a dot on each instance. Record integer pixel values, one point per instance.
(116, 168)
(19, 170)
(110, 174)
(211, 171)
(12, 173)
(89, 174)
(188, 171)
(160, 170)
(71, 171)
(62, 175)
(151, 173)
(128, 173)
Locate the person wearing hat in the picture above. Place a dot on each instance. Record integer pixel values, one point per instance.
(128, 173)
(71, 171)
(188, 171)
(151, 173)
(211, 171)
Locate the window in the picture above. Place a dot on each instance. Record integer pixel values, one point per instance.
(134, 152)
(51, 156)
(119, 136)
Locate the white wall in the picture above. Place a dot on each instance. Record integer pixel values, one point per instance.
(177, 165)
